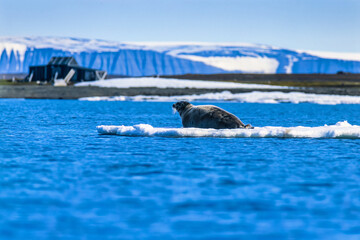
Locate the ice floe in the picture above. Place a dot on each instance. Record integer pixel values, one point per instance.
(339, 130)
(250, 97)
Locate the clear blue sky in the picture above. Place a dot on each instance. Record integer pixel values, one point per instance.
(327, 25)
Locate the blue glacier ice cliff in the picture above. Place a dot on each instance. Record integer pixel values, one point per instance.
(144, 59)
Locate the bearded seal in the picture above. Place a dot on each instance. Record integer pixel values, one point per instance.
(207, 116)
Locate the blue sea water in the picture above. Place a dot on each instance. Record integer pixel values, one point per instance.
(60, 179)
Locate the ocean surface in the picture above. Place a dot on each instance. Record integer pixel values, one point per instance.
(61, 179)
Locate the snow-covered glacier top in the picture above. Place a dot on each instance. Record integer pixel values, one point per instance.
(62, 43)
(76, 45)
(169, 58)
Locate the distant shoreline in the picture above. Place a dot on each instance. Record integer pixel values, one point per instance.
(294, 80)
(334, 84)
(71, 92)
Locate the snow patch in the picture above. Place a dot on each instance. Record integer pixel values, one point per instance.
(334, 55)
(339, 130)
(172, 83)
(288, 68)
(242, 64)
(17, 48)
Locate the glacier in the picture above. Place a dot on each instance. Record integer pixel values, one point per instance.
(148, 59)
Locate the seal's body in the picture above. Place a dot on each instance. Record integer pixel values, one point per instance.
(207, 116)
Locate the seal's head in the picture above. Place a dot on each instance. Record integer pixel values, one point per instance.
(180, 106)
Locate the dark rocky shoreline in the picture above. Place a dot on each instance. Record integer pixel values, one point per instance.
(335, 84)
(72, 92)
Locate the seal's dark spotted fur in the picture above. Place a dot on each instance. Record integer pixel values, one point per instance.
(207, 116)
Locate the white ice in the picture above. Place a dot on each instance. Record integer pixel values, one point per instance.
(172, 83)
(339, 130)
(334, 55)
(255, 64)
(250, 97)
